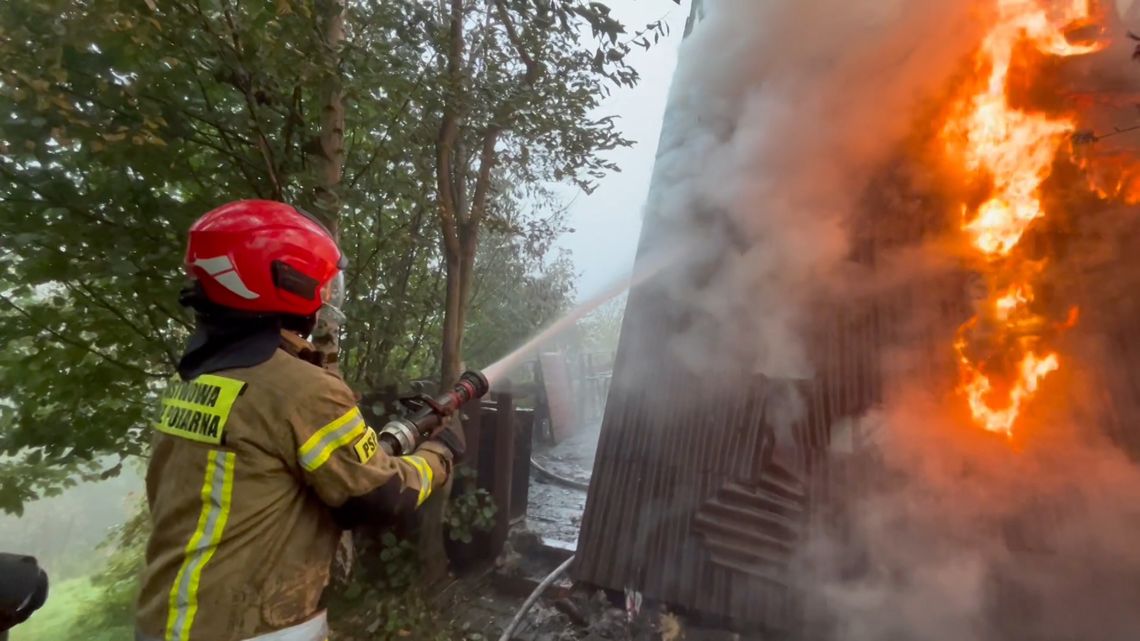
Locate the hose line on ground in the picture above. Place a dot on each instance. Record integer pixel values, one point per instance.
(538, 590)
(561, 480)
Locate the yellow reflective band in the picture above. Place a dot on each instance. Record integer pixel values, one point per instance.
(320, 446)
(217, 490)
(426, 476)
(198, 409)
(367, 446)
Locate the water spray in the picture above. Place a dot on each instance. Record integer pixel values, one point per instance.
(403, 435)
(648, 267)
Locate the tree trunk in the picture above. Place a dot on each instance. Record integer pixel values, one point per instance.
(329, 163)
(460, 279)
(451, 349)
(329, 167)
(451, 186)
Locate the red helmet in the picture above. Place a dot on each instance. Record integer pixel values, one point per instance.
(263, 256)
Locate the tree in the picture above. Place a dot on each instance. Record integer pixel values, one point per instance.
(124, 121)
(329, 155)
(519, 289)
(516, 104)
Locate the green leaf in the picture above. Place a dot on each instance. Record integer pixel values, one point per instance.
(161, 128)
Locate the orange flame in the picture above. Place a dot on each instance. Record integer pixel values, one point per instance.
(1000, 366)
(1008, 303)
(1111, 176)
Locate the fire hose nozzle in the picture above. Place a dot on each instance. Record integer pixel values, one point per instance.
(398, 437)
(403, 435)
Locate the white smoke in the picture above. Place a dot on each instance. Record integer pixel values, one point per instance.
(963, 538)
(780, 112)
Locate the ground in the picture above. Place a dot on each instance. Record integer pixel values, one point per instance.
(548, 536)
(554, 511)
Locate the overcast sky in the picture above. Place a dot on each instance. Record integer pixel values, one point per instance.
(608, 221)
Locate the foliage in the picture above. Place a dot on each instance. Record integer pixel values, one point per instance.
(118, 580)
(399, 562)
(387, 602)
(123, 121)
(514, 297)
(382, 615)
(515, 114)
(470, 510)
(61, 620)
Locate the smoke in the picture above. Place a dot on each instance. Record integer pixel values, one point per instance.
(780, 113)
(959, 538)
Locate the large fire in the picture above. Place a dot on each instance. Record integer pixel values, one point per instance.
(1001, 351)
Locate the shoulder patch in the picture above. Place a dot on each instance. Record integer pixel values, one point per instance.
(197, 410)
(366, 446)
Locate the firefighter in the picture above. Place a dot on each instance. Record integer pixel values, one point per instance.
(260, 456)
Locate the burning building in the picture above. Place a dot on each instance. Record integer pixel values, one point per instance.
(889, 392)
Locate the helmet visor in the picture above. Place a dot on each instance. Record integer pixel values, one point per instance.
(333, 293)
(333, 300)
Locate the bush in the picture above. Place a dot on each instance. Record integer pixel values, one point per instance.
(470, 510)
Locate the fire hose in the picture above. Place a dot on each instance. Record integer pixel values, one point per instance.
(558, 480)
(403, 435)
(538, 590)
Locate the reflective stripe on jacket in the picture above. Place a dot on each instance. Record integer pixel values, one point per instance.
(245, 467)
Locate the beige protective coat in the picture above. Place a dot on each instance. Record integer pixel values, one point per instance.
(245, 465)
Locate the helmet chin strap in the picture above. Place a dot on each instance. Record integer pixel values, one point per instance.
(303, 325)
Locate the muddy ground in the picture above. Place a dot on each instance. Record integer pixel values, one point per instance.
(483, 603)
(554, 510)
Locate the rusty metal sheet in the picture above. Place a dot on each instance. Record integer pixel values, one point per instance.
(560, 401)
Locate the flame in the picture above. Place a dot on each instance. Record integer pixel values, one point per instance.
(1001, 363)
(1111, 176)
(977, 387)
(1017, 296)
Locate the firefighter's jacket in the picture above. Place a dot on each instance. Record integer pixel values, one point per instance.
(245, 467)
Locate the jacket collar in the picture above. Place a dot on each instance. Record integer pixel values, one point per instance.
(296, 346)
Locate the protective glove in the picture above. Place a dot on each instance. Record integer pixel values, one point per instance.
(450, 435)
